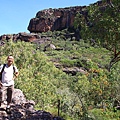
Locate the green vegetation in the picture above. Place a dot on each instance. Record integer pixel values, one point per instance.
(101, 26)
(83, 96)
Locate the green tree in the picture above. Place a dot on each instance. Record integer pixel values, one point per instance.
(80, 86)
(103, 26)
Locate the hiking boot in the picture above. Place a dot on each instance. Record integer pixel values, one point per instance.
(8, 110)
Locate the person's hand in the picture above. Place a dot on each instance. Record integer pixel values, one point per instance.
(15, 75)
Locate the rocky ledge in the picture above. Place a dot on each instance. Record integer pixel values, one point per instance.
(22, 109)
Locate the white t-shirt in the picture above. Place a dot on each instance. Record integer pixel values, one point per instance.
(7, 75)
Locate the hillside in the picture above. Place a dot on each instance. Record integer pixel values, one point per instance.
(81, 70)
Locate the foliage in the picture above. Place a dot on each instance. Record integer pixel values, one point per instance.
(42, 82)
(38, 79)
(101, 114)
(101, 26)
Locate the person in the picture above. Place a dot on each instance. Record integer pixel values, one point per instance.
(7, 83)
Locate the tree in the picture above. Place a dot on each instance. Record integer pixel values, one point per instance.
(103, 25)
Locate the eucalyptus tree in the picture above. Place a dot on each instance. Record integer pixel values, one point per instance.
(101, 25)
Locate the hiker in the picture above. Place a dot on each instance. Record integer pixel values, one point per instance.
(9, 73)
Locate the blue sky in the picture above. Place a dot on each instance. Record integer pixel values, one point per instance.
(16, 14)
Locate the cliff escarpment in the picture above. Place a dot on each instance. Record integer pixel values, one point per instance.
(61, 18)
(54, 19)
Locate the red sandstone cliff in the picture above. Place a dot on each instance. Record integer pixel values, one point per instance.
(58, 19)
(54, 19)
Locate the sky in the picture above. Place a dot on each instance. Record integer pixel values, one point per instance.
(15, 15)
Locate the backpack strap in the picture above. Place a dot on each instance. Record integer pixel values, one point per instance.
(13, 69)
(2, 72)
(3, 68)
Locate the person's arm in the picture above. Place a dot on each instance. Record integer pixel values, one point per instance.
(16, 72)
(15, 75)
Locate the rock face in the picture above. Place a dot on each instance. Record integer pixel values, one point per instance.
(22, 109)
(61, 18)
(54, 19)
(27, 37)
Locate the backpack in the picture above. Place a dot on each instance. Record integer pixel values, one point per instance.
(3, 70)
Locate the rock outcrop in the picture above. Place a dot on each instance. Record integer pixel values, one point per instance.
(22, 109)
(27, 37)
(61, 18)
(54, 19)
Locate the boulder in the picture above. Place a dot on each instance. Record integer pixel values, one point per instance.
(22, 109)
